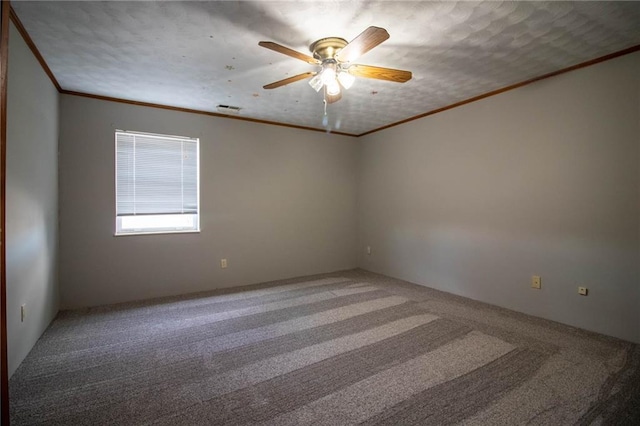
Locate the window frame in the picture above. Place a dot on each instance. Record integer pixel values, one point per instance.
(156, 231)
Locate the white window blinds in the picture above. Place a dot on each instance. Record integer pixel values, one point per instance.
(156, 175)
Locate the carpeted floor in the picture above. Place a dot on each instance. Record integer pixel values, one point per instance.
(347, 348)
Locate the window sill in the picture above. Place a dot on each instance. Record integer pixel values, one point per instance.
(127, 234)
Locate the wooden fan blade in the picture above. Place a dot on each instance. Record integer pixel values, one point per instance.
(332, 98)
(289, 80)
(367, 40)
(389, 74)
(289, 52)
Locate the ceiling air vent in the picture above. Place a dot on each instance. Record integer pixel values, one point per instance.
(226, 109)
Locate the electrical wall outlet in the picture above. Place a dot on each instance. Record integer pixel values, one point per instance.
(223, 263)
(583, 291)
(23, 312)
(368, 249)
(536, 282)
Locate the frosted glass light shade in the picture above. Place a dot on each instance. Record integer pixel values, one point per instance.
(346, 79)
(333, 88)
(328, 74)
(316, 83)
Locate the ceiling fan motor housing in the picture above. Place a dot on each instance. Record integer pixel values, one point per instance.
(326, 48)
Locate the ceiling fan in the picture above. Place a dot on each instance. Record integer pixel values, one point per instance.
(334, 56)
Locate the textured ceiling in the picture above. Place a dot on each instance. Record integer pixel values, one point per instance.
(200, 54)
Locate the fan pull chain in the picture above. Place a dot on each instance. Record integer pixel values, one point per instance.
(325, 118)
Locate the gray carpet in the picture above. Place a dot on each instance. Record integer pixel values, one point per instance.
(347, 348)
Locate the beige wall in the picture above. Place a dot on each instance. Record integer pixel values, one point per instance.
(276, 202)
(540, 180)
(32, 202)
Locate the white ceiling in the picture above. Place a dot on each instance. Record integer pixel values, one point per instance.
(200, 54)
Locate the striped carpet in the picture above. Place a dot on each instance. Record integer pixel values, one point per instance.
(335, 349)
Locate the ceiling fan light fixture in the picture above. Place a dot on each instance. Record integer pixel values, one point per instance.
(328, 73)
(346, 79)
(333, 88)
(316, 83)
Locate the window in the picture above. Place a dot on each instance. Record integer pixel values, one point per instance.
(157, 183)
